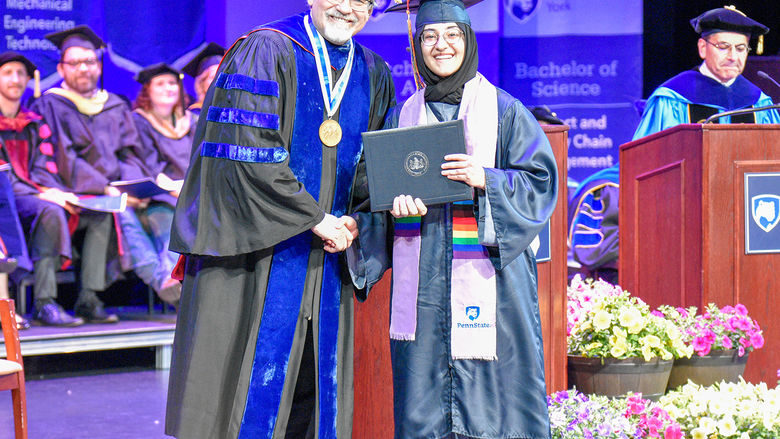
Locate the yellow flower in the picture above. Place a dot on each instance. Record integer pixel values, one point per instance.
(647, 353)
(593, 346)
(652, 341)
(698, 433)
(619, 332)
(632, 319)
(602, 320)
(617, 350)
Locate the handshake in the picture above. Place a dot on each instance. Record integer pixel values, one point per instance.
(336, 233)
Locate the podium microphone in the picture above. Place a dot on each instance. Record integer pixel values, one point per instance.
(764, 75)
(739, 112)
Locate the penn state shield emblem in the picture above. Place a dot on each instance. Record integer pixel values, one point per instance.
(472, 312)
(521, 10)
(766, 211)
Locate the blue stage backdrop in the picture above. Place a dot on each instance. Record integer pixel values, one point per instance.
(583, 59)
(138, 33)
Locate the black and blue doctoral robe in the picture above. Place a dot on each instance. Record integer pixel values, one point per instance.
(434, 395)
(259, 180)
(691, 97)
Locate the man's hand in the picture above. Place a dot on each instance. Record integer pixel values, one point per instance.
(60, 198)
(112, 191)
(460, 167)
(351, 226)
(333, 233)
(137, 203)
(404, 205)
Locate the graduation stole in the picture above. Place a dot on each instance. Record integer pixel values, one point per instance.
(165, 127)
(87, 106)
(473, 278)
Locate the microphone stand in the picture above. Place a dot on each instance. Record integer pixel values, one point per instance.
(738, 112)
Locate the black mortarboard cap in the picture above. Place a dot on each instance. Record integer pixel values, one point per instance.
(727, 19)
(210, 55)
(437, 11)
(543, 113)
(7, 57)
(153, 70)
(79, 36)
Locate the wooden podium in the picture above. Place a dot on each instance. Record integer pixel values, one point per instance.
(373, 413)
(682, 222)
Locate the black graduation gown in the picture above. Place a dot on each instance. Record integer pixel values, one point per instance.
(259, 179)
(92, 151)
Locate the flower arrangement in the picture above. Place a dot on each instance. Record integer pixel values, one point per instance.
(582, 294)
(726, 328)
(575, 415)
(725, 410)
(617, 325)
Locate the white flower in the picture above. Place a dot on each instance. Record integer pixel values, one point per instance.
(727, 427)
(698, 433)
(707, 425)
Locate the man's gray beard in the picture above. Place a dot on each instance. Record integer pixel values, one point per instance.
(336, 35)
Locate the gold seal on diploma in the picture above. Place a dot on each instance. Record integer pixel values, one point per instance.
(330, 132)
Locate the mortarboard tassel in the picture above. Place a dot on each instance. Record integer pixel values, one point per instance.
(37, 84)
(760, 45)
(418, 82)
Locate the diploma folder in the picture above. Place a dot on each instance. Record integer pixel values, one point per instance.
(141, 188)
(407, 161)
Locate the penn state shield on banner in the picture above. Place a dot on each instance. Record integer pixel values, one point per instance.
(762, 213)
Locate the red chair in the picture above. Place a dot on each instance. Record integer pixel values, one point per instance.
(12, 368)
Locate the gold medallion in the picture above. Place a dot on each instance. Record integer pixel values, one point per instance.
(330, 133)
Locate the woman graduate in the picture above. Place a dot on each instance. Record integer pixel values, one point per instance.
(166, 130)
(466, 341)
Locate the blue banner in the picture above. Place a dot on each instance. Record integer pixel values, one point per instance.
(582, 59)
(138, 34)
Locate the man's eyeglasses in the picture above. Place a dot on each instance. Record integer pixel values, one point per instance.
(90, 62)
(725, 47)
(356, 5)
(429, 38)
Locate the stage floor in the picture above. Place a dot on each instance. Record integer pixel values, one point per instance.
(119, 405)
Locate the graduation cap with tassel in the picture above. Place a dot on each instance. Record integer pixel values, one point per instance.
(429, 12)
(730, 19)
(150, 72)
(79, 36)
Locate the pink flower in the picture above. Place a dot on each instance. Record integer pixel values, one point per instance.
(636, 405)
(683, 312)
(741, 351)
(741, 309)
(729, 309)
(757, 340)
(702, 346)
(673, 432)
(726, 342)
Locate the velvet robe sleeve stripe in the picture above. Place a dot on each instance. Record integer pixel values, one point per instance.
(524, 172)
(244, 153)
(243, 117)
(265, 201)
(242, 82)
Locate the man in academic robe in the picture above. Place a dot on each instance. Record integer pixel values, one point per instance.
(717, 85)
(263, 344)
(41, 203)
(95, 143)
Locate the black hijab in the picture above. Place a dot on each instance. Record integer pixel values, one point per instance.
(450, 88)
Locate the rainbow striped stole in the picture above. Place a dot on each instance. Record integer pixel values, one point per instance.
(465, 234)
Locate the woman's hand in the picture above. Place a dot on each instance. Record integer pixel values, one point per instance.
(460, 167)
(404, 205)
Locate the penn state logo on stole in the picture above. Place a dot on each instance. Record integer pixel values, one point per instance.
(472, 312)
(416, 163)
(766, 211)
(521, 10)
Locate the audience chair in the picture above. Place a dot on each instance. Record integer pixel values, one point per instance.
(12, 368)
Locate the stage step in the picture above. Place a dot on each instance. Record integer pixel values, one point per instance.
(132, 331)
